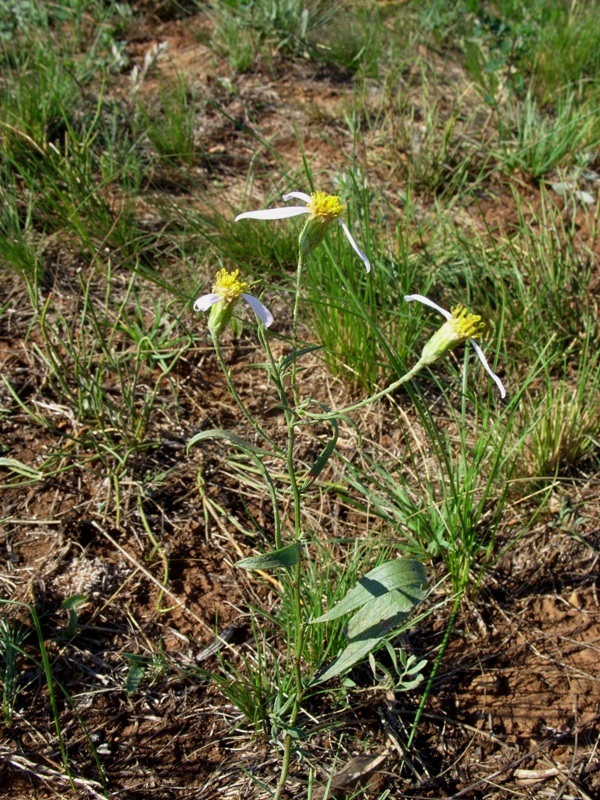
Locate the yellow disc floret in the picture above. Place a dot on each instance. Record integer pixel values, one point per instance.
(325, 206)
(456, 330)
(228, 285)
(465, 325)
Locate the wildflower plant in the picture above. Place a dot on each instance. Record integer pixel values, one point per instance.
(379, 602)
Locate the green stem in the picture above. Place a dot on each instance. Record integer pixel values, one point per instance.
(234, 393)
(435, 668)
(296, 311)
(367, 401)
(298, 648)
(290, 419)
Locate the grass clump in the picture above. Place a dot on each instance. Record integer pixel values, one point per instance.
(328, 32)
(172, 130)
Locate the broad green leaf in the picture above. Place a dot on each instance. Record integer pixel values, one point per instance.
(353, 653)
(404, 574)
(286, 557)
(134, 677)
(379, 617)
(380, 613)
(137, 667)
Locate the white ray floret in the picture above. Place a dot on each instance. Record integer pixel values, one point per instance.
(321, 207)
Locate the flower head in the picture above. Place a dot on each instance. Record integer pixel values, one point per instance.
(325, 206)
(460, 326)
(227, 290)
(323, 209)
(228, 285)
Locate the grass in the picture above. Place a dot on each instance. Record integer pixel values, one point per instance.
(541, 142)
(332, 33)
(446, 132)
(171, 131)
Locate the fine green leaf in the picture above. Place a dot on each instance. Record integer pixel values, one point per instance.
(74, 601)
(323, 458)
(19, 468)
(286, 557)
(403, 574)
(296, 354)
(218, 433)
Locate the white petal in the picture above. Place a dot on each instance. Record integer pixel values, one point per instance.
(206, 301)
(355, 246)
(274, 213)
(262, 312)
(427, 302)
(487, 368)
(306, 198)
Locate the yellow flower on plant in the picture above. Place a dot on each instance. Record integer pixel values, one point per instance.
(460, 326)
(227, 290)
(465, 325)
(326, 206)
(228, 285)
(323, 210)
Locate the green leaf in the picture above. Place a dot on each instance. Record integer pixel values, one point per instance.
(354, 652)
(13, 465)
(378, 618)
(134, 677)
(137, 668)
(323, 458)
(403, 574)
(295, 354)
(218, 433)
(286, 557)
(380, 615)
(74, 601)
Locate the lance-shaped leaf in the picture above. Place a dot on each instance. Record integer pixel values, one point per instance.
(376, 619)
(296, 354)
(286, 557)
(405, 575)
(380, 615)
(219, 433)
(323, 458)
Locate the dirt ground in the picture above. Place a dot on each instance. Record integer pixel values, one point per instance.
(515, 709)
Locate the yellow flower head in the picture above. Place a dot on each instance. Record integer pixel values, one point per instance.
(325, 206)
(464, 325)
(228, 286)
(458, 328)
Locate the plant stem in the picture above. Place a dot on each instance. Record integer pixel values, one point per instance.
(295, 323)
(234, 393)
(435, 668)
(290, 419)
(298, 648)
(368, 400)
